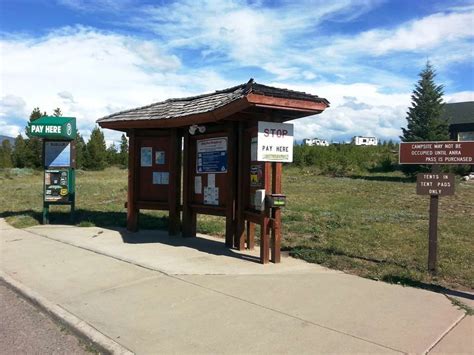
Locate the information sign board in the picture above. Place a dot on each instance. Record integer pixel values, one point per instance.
(447, 152)
(435, 184)
(211, 155)
(275, 142)
(57, 154)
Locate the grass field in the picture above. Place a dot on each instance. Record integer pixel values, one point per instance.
(374, 226)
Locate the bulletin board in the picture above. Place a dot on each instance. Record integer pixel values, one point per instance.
(209, 169)
(154, 168)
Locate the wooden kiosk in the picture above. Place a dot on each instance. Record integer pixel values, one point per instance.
(195, 155)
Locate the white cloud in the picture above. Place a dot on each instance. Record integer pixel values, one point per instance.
(416, 36)
(460, 97)
(11, 105)
(67, 96)
(246, 32)
(356, 109)
(89, 74)
(96, 5)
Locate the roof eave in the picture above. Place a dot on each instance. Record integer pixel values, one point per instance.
(183, 121)
(287, 104)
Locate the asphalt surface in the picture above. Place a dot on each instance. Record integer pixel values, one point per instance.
(26, 330)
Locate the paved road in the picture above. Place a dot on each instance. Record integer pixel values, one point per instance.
(26, 330)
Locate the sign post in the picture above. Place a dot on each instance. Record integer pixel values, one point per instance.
(274, 145)
(59, 161)
(435, 183)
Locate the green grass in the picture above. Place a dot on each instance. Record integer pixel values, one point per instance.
(377, 227)
(374, 226)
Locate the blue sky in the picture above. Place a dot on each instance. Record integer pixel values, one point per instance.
(92, 58)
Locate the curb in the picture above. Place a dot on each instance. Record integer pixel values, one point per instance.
(77, 326)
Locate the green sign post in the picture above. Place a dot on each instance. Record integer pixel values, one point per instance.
(59, 161)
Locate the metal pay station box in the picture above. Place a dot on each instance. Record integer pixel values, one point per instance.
(58, 185)
(59, 160)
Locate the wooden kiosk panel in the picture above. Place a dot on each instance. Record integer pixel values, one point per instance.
(154, 168)
(209, 177)
(154, 176)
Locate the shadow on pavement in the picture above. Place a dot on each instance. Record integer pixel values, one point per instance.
(153, 230)
(204, 245)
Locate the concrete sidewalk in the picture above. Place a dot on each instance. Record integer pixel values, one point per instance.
(157, 294)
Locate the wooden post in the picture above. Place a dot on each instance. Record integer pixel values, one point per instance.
(265, 223)
(174, 192)
(231, 162)
(239, 240)
(132, 211)
(189, 217)
(250, 235)
(433, 228)
(264, 238)
(276, 215)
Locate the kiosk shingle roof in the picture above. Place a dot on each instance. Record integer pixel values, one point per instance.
(181, 107)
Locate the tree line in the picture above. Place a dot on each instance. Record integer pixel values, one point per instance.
(93, 155)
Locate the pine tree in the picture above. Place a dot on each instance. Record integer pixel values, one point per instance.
(95, 157)
(112, 155)
(35, 114)
(57, 112)
(424, 115)
(34, 145)
(20, 152)
(123, 154)
(6, 154)
(80, 150)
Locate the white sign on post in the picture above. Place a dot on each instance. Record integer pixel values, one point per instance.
(275, 142)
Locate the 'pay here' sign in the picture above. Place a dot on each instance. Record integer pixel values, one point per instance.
(275, 142)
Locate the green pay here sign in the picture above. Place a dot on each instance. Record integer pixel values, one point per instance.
(50, 127)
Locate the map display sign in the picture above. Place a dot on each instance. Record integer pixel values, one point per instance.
(57, 154)
(447, 152)
(435, 184)
(275, 142)
(211, 155)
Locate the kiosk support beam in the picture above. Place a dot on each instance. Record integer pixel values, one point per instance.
(189, 216)
(132, 211)
(229, 218)
(276, 214)
(239, 240)
(265, 224)
(174, 192)
(250, 235)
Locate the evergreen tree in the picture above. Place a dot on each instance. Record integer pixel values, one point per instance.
(80, 150)
(34, 146)
(95, 157)
(20, 152)
(36, 113)
(6, 154)
(123, 154)
(57, 112)
(112, 155)
(424, 122)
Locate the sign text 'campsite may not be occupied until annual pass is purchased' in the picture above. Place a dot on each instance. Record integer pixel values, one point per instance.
(444, 152)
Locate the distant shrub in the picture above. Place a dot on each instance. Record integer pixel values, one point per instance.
(342, 160)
